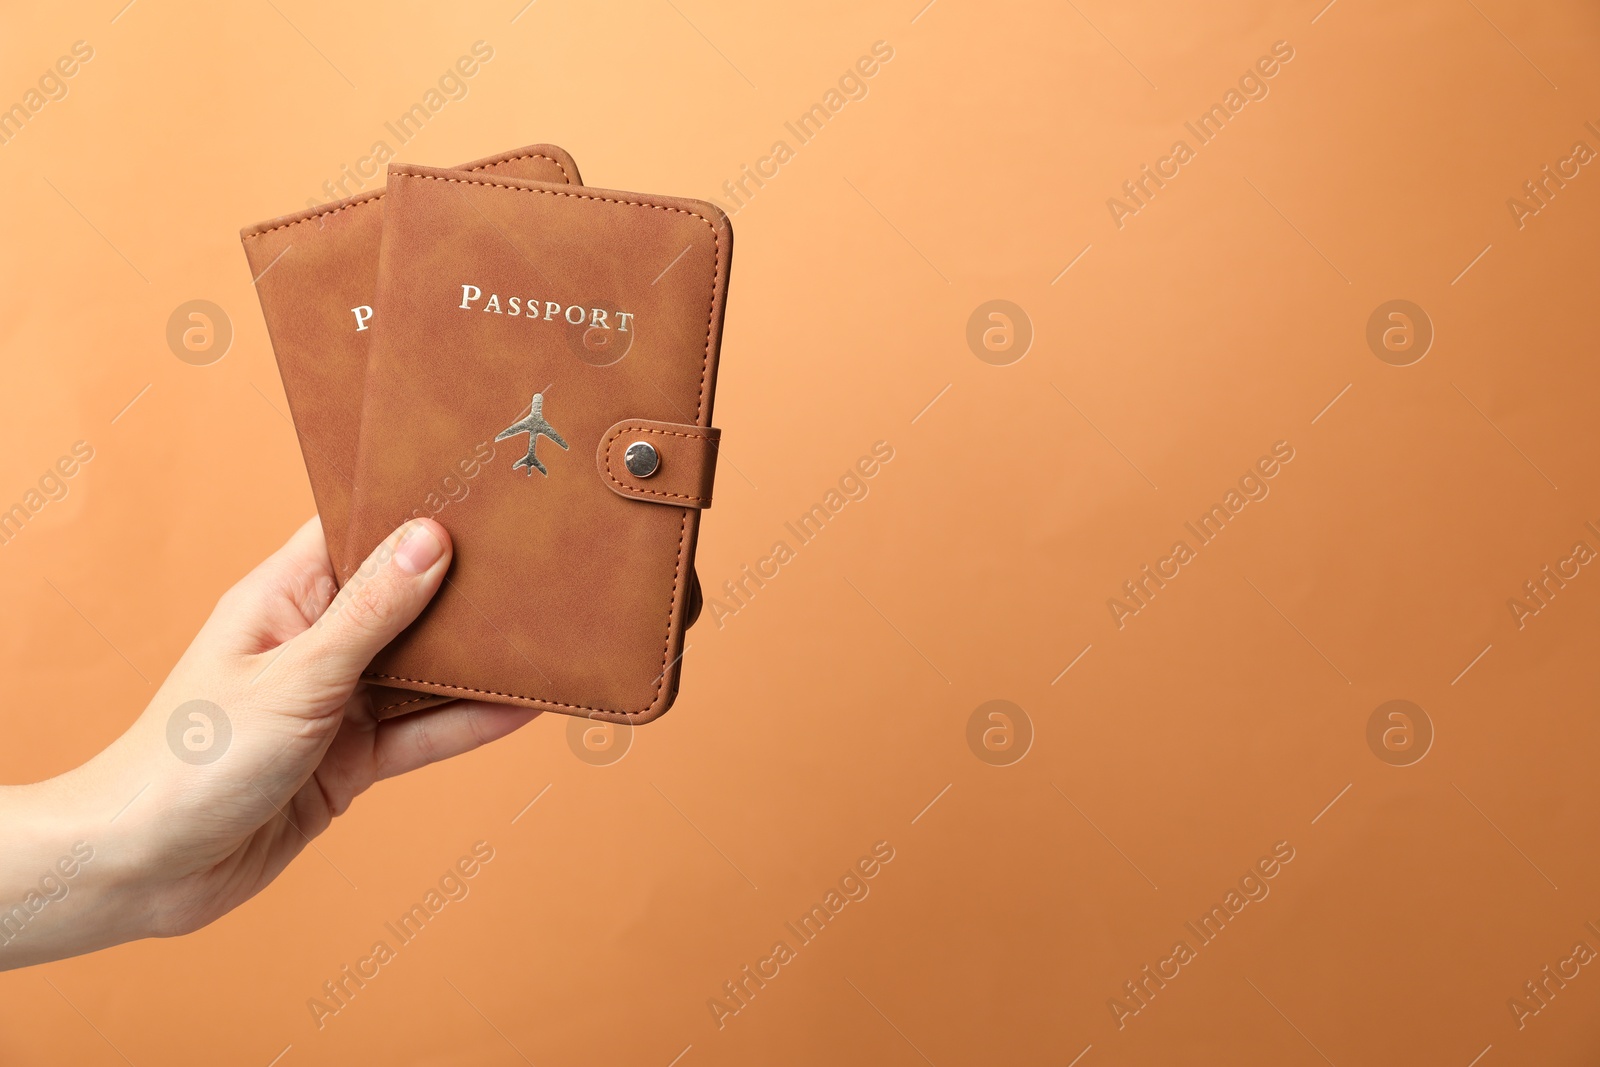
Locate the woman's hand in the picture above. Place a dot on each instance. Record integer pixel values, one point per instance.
(259, 737)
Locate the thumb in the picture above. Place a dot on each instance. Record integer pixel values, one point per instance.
(383, 597)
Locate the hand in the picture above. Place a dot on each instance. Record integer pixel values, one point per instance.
(183, 823)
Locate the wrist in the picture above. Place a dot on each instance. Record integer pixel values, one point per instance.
(70, 878)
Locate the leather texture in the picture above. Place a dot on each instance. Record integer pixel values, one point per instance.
(686, 467)
(565, 595)
(311, 269)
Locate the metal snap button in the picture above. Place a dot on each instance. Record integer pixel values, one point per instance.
(641, 459)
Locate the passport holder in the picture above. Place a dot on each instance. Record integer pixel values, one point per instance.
(315, 273)
(560, 344)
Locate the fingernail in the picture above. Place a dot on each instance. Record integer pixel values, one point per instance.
(418, 549)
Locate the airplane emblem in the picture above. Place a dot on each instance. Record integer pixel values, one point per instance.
(533, 426)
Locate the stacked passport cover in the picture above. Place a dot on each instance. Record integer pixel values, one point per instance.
(531, 362)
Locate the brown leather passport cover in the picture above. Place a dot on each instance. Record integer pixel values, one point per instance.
(315, 274)
(570, 329)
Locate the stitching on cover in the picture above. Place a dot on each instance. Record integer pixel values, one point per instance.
(463, 688)
(562, 167)
(403, 703)
(378, 194)
(628, 427)
(583, 196)
(705, 370)
(321, 214)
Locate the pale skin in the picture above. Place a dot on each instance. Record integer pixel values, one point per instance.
(172, 844)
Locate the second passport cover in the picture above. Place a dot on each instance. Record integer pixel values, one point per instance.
(580, 328)
(315, 272)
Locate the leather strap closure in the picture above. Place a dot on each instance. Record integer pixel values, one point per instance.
(686, 462)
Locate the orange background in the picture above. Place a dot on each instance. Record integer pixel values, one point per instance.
(1228, 715)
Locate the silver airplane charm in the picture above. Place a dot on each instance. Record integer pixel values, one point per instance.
(533, 426)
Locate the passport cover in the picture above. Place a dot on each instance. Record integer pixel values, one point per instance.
(315, 272)
(557, 331)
